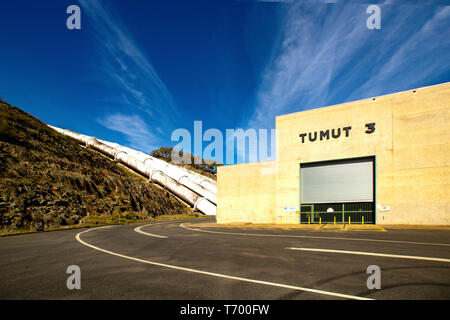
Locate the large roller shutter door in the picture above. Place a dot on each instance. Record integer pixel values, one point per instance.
(337, 182)
(337, 191)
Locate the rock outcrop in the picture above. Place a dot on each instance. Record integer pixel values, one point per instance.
(45, 176)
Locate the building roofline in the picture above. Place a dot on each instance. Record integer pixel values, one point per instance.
(371, 98)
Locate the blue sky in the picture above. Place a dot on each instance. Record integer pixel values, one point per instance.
(137, 70)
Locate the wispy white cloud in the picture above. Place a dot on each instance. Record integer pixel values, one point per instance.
(317, 41)
(401, 70)
(133, 127)
(137, 85)
(327, 54)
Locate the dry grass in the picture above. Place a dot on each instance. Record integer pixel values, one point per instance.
(100, 221)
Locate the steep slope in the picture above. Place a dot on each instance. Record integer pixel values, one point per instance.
(45, 176)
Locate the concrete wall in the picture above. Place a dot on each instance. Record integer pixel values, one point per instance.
(246, 193)
(410, 143)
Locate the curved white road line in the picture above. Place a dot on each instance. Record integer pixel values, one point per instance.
(315, 237)
(138, 229)
(273, 284)
(372, 254)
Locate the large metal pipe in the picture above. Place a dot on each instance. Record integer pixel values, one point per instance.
(182, 176)
(203, 181)
(182, 186)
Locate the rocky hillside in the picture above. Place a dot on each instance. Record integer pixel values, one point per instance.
(206, 167)
(45, 176)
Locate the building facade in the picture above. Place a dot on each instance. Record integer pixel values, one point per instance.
(382, 160)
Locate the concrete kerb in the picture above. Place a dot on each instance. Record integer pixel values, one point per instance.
(415, 227)
(311, 227)
(325, 226)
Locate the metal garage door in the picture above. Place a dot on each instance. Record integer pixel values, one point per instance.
(336, 190)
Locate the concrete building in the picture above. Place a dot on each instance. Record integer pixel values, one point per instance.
(383, 159)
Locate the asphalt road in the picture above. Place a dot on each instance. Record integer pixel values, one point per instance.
(171, 262)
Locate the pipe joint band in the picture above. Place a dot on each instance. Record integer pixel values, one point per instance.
(197, 202)
(117, 153)
(204, 181)
(88, 141)
(150, 179)
(147, 159)
(179, 179)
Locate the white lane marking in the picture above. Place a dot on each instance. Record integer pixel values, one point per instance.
(138, 229)
(372, 254)
(274, 284)
(316, 237)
